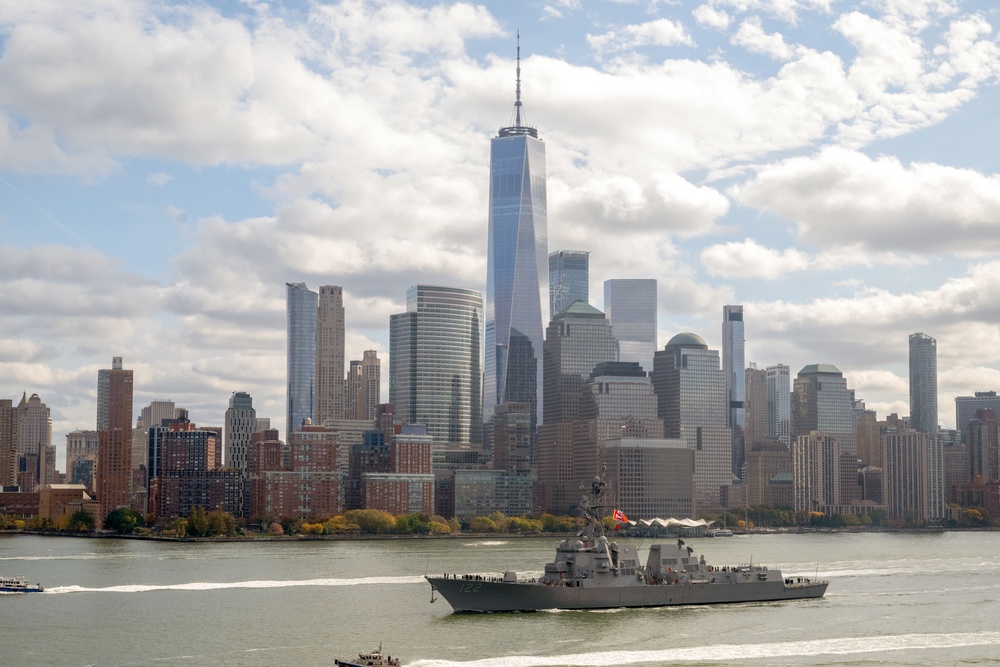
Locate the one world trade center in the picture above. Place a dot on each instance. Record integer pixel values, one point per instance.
(517, 268)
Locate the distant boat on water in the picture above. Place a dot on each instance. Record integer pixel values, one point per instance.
(19, 585)
(370, 659)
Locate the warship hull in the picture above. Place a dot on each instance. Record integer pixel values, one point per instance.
(471, 595)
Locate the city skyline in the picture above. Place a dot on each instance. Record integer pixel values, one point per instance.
(181, 228)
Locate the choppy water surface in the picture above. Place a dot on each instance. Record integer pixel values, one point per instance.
(894, 599)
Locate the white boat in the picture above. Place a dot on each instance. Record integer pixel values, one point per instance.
(18, 585)
(720, 532)
(370, 659)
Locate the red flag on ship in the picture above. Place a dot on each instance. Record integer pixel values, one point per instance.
(619, 516)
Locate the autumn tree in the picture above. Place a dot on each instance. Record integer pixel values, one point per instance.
(123, 520)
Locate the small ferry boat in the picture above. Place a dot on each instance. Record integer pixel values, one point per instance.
(370, 659)
(720, 532)
(18, 585)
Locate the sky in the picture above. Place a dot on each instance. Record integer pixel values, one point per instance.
(166, 167)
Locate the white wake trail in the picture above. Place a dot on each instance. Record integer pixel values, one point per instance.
(222, 585)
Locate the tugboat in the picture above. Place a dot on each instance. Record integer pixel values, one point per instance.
(370, 659)
(591, 572)
(18, 585)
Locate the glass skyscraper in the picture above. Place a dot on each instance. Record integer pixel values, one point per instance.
(630, 304)
(923, 383)
(734, 364)
(779, 397)
(300, 361)
(516, 269)
(435, 362)
(821, 402)
(569, 279)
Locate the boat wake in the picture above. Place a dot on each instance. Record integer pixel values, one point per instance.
(223, 585)
(729, 653)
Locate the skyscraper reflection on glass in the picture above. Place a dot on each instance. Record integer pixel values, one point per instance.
(569, 279)
(301, 357)
(630, 304)
(516, 270)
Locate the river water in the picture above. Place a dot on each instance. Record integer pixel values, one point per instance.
(894, 599)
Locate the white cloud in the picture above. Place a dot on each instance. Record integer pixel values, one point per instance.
(749, 259)
(842, 198)
(752, 37)
(710, 17)
(159, 179)
(661, 32)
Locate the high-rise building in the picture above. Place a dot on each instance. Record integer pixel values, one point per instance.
(435, 360)
(158, 410)
(755, 406)
(516, 268)
(331, 396)
(651, 477)
(34, 425)
(966, 408)
(923, 383)
(569, 279)
(114, 452)
(779, 410)
(693, 402)
(8, 443)
(618, 402)
(821, 402)
(630, 304)
(914, 475)
(364, 386)
(734, 364)
(300, 362)
(576, 341)
(240, 423)
(690, 387)
(983, 446)
(34, 435)
(817, 471)
(81, 446)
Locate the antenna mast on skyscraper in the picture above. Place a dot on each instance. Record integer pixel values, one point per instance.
(517, 128)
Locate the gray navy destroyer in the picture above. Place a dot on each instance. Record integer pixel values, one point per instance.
(591, 572)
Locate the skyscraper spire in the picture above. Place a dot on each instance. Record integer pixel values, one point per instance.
(517, 127)
(517, 100)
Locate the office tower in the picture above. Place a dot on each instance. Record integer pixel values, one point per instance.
(240, 421)
(512, 450)
(81, 457)
(435, 358)
(756, 406)
(733, 363)
(651, 477)
(630, 304)
(577, 340)
(158, 410)
(618, 402)
(690, 387)
(139, 499)
(868, 440)
(983, 446)
(820, 467)
(34, 435)
(913, 475)
(300, 363)
(769, 474)
(114, 453)
(103, 387)
(8, 443)
(966, 408)
(516, 269)
(693, 402)
(923, 383)
(331, 399)
(779, 410)
(569, 279)
(34, 425)
(821, 402)
(364, 386)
